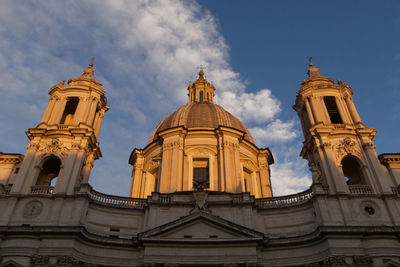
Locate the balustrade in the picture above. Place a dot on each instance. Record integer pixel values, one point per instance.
(116, 201)
(284, 201)
(42, 189)
(361, 190)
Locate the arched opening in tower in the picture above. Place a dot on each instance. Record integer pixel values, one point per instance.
(69, 111)
(49, 172)
(352, 171)
(333, 111)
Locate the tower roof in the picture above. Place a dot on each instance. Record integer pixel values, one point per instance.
(314, 76)
(86, 76)
(313, 72)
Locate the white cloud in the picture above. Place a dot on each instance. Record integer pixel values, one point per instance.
(285, 179)
(250, 107)
(276, 131)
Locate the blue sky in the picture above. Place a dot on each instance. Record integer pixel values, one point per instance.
(147, 51)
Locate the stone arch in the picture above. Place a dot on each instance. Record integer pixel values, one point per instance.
(352, 168)
(49, 170)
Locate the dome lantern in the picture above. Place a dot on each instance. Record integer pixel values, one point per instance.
(201, 91)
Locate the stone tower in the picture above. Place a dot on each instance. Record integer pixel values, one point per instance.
(64, 145)
(338, 146)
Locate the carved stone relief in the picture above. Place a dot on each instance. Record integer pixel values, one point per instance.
(345, 147)
(53, 146)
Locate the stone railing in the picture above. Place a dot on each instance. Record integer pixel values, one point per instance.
(396, 191)
(42, 189)
(339, 126)
(284, 201)
(165, 199)
(62, 127)
(361, 190)
(116, 201)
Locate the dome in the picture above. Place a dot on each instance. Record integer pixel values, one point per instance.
(203, 114)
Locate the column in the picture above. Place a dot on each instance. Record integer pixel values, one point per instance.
(49, 109)
(337, 177)
(58, 111)
(309, 112)
(343, 110)
(229, 179)
(137, 176)
(92, 111)
(352, 109)
(165, 179)
(379, 174)
(221, 173)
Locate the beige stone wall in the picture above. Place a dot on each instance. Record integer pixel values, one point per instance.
(170, 164)
(9, 166)
(113, 231)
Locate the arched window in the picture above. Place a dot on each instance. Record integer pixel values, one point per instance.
(208, 97)
(49, 172)
(69, 111)
(352, 171)
(201, 96)
(333, 111)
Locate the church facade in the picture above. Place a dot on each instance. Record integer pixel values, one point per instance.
(201, 192)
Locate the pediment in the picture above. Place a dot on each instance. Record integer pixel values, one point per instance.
(201, 227)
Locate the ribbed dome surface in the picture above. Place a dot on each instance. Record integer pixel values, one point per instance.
(206, 115)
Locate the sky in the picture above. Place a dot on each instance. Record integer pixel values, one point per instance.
(146, 52)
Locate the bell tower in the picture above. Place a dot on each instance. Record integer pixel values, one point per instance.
(64, 145)
(338, 146)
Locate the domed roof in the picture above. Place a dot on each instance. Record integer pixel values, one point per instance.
(201, 114)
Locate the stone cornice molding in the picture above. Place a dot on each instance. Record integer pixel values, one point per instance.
(390, 159)
(11, 160)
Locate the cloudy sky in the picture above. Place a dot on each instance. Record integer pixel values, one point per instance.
(147, 51)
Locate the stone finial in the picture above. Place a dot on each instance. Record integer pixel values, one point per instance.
(87, 75)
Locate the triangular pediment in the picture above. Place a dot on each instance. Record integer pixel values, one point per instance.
(201, 226)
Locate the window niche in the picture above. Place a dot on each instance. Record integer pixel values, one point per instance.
(333, 111)
(69, 111)
(247, 180)
(352, 171)
(49, 172)
(201, 173)
(201, 96)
